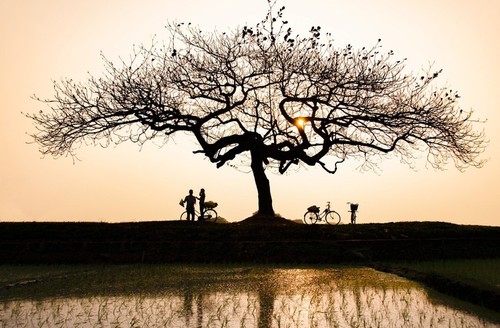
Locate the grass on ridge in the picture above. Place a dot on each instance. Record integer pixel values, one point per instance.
(483, 271)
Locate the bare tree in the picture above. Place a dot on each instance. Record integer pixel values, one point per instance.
(264, 97)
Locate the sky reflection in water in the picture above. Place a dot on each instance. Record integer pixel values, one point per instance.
(251, 297)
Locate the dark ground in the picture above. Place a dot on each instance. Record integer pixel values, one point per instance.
(281, 242)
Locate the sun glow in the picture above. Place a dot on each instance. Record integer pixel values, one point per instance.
(300, 122)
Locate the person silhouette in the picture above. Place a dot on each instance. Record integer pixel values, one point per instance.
(190, 201)
(202, 203)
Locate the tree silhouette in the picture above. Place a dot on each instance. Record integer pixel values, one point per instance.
(266, 98)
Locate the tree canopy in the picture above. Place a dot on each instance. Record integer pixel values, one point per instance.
(267, 97)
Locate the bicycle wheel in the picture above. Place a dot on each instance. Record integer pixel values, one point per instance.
(183, 216)
(210, 215)
(333, 218)
(310, 217)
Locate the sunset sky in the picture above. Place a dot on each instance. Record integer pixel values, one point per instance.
(41, 41)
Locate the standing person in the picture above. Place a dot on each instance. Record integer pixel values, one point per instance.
(190, 200)
(202, 203)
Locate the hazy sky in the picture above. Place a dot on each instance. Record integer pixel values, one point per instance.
(41, 41)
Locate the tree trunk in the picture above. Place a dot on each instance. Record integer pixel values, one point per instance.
(262, 183)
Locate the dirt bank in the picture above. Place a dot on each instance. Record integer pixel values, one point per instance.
(175, 241)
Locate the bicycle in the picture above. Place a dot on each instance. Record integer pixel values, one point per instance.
(313, 215)
(354, 208)
(209, 214)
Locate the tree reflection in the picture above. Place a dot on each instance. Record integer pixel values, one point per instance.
(255, 298)
(266, 294)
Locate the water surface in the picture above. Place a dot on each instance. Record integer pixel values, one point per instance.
(202, 296)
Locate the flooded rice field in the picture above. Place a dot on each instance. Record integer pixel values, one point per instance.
(228, 296)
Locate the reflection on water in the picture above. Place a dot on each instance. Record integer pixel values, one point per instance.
(246, 297)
